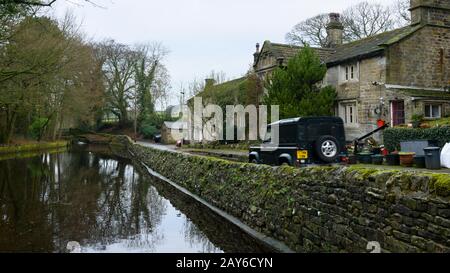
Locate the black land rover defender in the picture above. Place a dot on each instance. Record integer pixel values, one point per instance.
(302, 141)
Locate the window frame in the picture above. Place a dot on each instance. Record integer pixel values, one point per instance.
(349, 112)
(429, 115)
(350, 73)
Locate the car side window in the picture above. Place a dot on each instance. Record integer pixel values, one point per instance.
(288, 134)
(301, 133)
(313, 132)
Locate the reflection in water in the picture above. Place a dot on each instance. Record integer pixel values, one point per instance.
(106, 205)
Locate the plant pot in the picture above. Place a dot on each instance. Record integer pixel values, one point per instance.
(393, 159)
(352, 159)
(419, 161)
(365, 158)
(381, 123)
(407, 159)
(376, 151)
(377, 159)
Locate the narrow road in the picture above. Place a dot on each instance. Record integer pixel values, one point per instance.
(234, 155)
(170, 148)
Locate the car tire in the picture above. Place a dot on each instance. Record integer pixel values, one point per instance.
(327, 149)
(254, 161)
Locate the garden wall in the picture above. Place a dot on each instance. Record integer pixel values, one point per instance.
(319, 209)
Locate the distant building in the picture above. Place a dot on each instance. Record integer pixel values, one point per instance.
(171, 132)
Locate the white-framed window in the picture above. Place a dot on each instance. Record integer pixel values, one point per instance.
(349, 113)
(350, 72)
(433, 110)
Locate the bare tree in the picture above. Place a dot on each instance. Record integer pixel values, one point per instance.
(118, 70)
(196, 86)
(218, 76)
(148, 77)
(313, 32)
(360, 21)
(33, 3)
(366, 19)
(402, 13)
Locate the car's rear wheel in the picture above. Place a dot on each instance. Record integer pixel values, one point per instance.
(327, 148)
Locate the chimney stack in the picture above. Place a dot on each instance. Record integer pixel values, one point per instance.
(335, 30)
(209, 83)
(256, 54)
(430, 12)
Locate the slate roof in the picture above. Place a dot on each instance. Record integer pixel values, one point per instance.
(289, 51)
(175, 125)
(367, 47)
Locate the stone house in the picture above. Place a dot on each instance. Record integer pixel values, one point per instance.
(171, 132)
(390, 76)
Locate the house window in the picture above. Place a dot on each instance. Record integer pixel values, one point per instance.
(350, 72)
(433, 111)
(349, 113)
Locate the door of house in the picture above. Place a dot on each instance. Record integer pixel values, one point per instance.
(398, 112)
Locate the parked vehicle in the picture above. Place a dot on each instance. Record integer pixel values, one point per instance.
(302, 141)
(157, 138)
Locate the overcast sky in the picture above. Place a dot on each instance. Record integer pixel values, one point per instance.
(202, 35)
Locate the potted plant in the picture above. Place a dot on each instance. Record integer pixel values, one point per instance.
(416, 120)
(419, 161)
(351, 157)
(365, 157)
(377, 159)
(393, 159)
(406, 159)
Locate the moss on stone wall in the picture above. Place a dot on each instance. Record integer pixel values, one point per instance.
(317, 209)
(441, 184)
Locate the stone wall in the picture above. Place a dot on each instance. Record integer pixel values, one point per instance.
(319, 209)
(421, 60)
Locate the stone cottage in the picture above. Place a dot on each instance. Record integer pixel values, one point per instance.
(390, 76)
(171, 132)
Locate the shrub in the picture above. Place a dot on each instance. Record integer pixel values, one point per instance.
(36, 129)
(393, 136)
(148, 129)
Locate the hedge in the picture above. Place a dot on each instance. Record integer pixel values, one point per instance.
(393, 136)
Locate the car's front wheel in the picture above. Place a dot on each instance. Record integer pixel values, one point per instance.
(327, 148)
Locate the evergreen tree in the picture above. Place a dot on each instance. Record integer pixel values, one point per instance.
(297, 87)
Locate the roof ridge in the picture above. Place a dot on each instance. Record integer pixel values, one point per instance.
(297, 46)
(374, 36)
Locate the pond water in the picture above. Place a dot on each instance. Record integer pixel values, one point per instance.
(106, 205)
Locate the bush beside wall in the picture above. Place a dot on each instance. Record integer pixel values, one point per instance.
(393, 136)
(320, 209)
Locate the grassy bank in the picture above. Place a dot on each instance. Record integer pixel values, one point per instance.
(10, 149)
